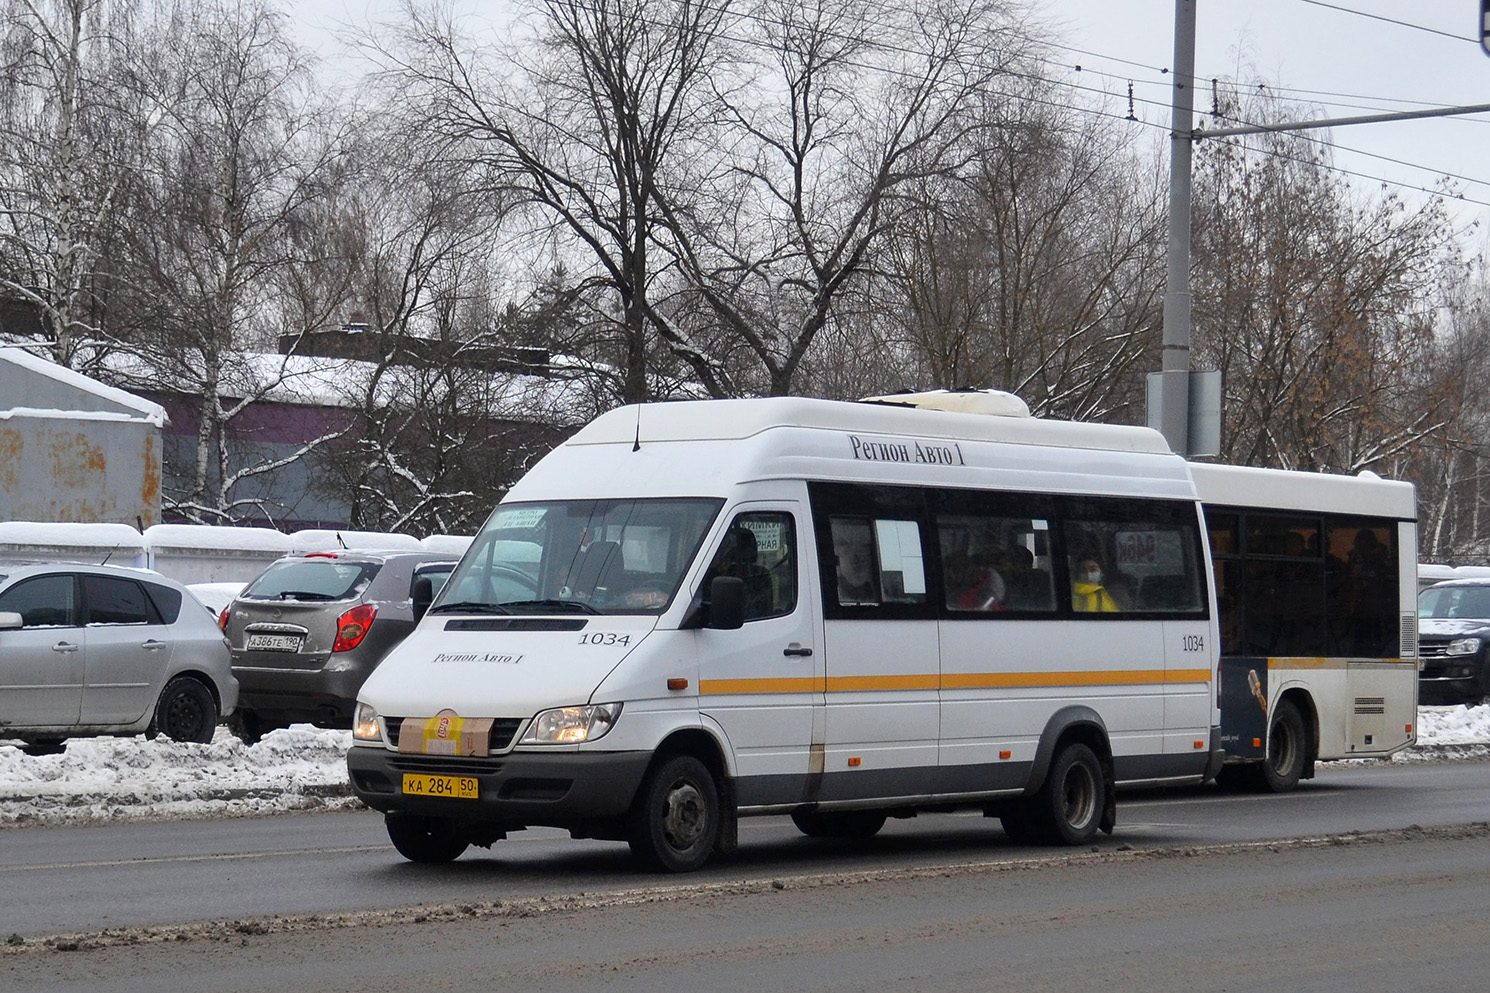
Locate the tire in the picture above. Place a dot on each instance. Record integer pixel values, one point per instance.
(1067, 809)
(186, 711)
(428, 840)
(674, 823)
(1288, 749)
(850, 825)
(248, 726)
(1018, 824)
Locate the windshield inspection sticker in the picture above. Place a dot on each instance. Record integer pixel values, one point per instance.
(497, 657)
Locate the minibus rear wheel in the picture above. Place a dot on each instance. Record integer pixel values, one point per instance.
(675, 820)
(855, 825)
(1067, 809)
(425, 839)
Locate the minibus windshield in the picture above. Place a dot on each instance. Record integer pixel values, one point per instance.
(579, 556)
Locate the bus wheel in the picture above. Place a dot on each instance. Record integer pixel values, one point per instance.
(849, 824)
(1287, 747)
(1018, 825)
(675, 821)
(425, 839)
(1067, 810)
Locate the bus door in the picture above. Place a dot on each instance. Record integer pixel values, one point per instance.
(763, 684)
(880, 637)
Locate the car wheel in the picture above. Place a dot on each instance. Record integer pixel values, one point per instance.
(186, 711)
(1287, 749)
(1067, 809)
(853, 825)
(430, 840)
(675, 819)
(248, 726)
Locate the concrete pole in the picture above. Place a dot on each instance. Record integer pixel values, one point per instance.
(1174, 385)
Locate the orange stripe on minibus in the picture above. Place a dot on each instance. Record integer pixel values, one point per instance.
(955, 681)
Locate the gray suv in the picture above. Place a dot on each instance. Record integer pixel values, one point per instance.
(306, 633)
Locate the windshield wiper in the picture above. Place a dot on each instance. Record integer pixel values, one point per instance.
(577, 606)
(470, 607)
(304, 595)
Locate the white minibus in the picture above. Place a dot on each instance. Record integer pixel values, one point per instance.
(697, 611)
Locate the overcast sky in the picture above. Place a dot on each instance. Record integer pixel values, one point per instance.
(1327, 53)
(1331, 55)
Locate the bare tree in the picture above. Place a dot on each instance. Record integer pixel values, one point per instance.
(68, 144)
(1038, 268)
(1317, 306)
(581, 126)
(838, 112)
(241, 153)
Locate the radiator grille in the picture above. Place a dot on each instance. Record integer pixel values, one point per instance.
(502, 731)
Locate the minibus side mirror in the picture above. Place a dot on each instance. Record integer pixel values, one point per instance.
(424, 595)
(727, 603)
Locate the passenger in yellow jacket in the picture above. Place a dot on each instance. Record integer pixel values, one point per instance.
(1088, 595)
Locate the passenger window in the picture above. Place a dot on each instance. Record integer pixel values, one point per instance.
(1133, 565)
(761, 549)
(114, 601)
(1361, 587)
(46, 601)
(995, 563)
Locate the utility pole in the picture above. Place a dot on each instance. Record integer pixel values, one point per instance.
(1172, 395)
(1185, 406)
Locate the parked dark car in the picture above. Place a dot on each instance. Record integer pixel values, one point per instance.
(306, 633)
(1454, 642)
(90, 650)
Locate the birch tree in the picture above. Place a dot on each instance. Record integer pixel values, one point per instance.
(242, 152)
(66, 151)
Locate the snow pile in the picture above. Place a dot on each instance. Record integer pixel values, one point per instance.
(304, 768)
(111, 779)
(1454, 726)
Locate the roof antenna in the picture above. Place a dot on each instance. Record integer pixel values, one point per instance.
(111, 553)
(339, 541)
(636, 445)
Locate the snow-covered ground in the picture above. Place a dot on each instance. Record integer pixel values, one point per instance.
(303, 768)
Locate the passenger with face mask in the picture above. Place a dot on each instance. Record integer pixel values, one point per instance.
(1088, 595)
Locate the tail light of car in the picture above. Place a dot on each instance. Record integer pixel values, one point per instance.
(222, 620)
(352, 626)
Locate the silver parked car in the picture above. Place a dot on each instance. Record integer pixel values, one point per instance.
(310, 629)
(89, 650)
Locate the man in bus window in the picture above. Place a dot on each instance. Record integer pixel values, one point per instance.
(1088, 595)
(855, 562)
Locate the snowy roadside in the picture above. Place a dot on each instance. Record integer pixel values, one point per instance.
(302, 768)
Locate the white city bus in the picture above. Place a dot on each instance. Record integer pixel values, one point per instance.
(1316, 587)
(693, 612)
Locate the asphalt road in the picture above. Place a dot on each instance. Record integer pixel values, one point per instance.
(71, 879)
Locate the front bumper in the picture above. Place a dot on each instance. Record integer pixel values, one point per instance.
(1449, 680)
(518, 789)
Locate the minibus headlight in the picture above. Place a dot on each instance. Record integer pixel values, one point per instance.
(571, 725)
(1463, 646)
(365, 727)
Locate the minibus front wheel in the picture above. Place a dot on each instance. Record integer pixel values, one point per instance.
(425, 839)
(675, 820)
